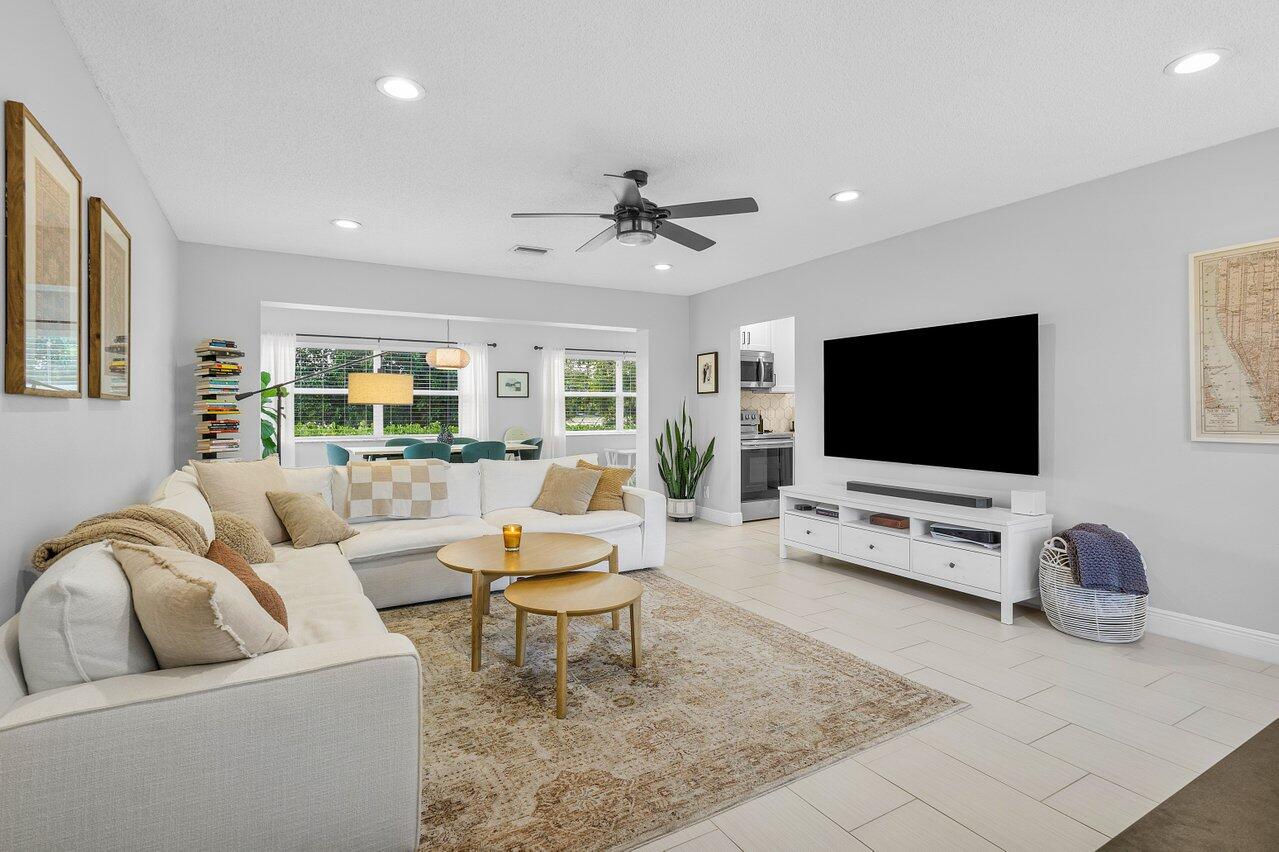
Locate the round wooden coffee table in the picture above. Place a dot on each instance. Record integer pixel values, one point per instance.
(485, 559)
(567, 596)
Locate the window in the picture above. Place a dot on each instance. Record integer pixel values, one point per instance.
(320, 408)
(599, 394)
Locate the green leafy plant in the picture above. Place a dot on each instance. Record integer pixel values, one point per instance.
(678, 460)
(270, 425)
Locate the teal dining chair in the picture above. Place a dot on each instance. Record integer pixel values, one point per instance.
(403, 442)
(427, 450)
(337, 455)
(477, 450)
(531, 455)
(463, 440)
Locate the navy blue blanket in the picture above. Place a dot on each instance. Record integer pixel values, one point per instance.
(1105, 560)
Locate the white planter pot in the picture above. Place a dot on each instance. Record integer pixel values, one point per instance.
(680, 510)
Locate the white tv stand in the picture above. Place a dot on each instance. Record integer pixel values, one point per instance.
(1008, 574)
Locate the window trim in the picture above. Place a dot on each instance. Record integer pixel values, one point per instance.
(378, 433)
(619, 395)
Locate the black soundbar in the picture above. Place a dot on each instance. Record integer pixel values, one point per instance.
(948, 498)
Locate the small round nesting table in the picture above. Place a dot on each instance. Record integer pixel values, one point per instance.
(486, 559)
(568, 596)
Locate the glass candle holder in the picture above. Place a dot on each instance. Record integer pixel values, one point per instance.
(511, 536)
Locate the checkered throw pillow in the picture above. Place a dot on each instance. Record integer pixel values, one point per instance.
(397, 488)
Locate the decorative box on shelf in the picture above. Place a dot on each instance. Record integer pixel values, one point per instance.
(217, 413)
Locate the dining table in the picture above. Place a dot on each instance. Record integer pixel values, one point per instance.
(368, 453)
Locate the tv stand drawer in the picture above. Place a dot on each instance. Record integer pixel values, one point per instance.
(888, 549)
(979, 570)
(812, 532)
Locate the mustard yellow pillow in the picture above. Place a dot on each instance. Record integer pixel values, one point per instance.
(567, 490)
(608, 493)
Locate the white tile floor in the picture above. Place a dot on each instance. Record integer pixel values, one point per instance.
(1065, 744)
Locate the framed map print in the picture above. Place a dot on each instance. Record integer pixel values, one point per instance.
(1234, 343)
(511, 384)
(110, 304)
(42, 280)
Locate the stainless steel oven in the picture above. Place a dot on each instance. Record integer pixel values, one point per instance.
(757, 369)
(768, 460)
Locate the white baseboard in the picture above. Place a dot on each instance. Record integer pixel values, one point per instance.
(1214, 634)
(718, 516)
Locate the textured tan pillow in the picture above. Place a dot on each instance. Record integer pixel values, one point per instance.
(241, 487)
(567, 490)
(263, 592)
(608, 494)
(309, 519)
(193, 610)
(243, 537)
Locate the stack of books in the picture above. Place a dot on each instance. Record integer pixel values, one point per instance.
(217, 381)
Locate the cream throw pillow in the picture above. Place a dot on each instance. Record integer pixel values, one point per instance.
(567, 490)
(608, 494)
(241, 487)
(309, 519)
(193, 610)
(242, 536)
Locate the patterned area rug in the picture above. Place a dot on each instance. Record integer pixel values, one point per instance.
(726, 705)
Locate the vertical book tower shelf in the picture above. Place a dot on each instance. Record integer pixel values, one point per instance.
(217, 381)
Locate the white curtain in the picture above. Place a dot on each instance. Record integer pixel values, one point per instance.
(554, 434)
(279, 351)
(473, 393)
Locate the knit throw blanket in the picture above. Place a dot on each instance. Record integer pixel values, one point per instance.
(136, 524)
(1105, 560)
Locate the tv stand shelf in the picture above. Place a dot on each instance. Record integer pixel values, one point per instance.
(1008, 573)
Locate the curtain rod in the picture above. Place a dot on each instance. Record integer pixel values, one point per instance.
(581, 349)
(380, 339)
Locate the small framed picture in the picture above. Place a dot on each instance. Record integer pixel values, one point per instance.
(708, 372)
(513, 385)
(110, 251)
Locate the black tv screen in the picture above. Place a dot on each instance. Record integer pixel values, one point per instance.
(963, 395)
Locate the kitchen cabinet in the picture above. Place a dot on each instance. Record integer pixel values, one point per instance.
(778, 337)
(758, 336)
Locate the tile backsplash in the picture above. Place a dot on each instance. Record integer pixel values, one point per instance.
(777, 409)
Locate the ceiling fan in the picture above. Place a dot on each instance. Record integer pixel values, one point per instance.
(638, 221)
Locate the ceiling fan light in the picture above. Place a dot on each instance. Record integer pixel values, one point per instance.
(448, 358)
(636, 232)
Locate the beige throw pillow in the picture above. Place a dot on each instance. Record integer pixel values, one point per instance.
(567, 490)
(193, 610)
(397, 488)
(309, 519)
(241, 487)
(242, 536)
(608, 494)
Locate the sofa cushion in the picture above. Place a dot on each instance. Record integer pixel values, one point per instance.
(312, 571)
(77, 623)
(411, 536)
(535, 520)
(180, 492)
(331, 618)
(241, 487)
(309, 518)
(310, 480)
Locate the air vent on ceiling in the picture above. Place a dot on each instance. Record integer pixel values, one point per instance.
(536, 251)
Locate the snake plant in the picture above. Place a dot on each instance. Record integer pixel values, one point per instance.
(678, 460)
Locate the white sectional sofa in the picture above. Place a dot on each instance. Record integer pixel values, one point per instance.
(314, 746)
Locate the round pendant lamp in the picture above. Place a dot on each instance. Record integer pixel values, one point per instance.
(448, 357)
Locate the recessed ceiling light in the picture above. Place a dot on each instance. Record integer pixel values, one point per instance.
(662, 267)
(847, 195)
(346, 224)
(1193, 63)
(401, 88)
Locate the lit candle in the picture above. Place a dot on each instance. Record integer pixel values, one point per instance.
(511, 536)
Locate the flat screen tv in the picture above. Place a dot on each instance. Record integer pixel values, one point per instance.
(963, 395)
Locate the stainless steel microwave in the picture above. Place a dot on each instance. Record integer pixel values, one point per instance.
(757, 369)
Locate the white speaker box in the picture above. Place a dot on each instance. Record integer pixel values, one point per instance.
(1029, 503)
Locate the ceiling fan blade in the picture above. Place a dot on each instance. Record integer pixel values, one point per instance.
(726, 207)
(598, 240)
(561, 215)
(683, 236)
(626, 190)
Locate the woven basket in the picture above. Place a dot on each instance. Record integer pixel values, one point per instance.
(1087, 613)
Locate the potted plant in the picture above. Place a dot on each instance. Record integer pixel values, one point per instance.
(270, 424)
(681, 466)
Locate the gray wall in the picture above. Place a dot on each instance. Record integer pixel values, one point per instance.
(1104, 264)
(67, 459)
(223, 290)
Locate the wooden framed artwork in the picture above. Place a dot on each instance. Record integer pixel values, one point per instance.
(42, 263)
(110, 304)
(708, 372)
(512, 385)
(1234, 350)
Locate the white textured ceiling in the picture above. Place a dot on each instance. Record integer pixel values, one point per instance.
(257, 122)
